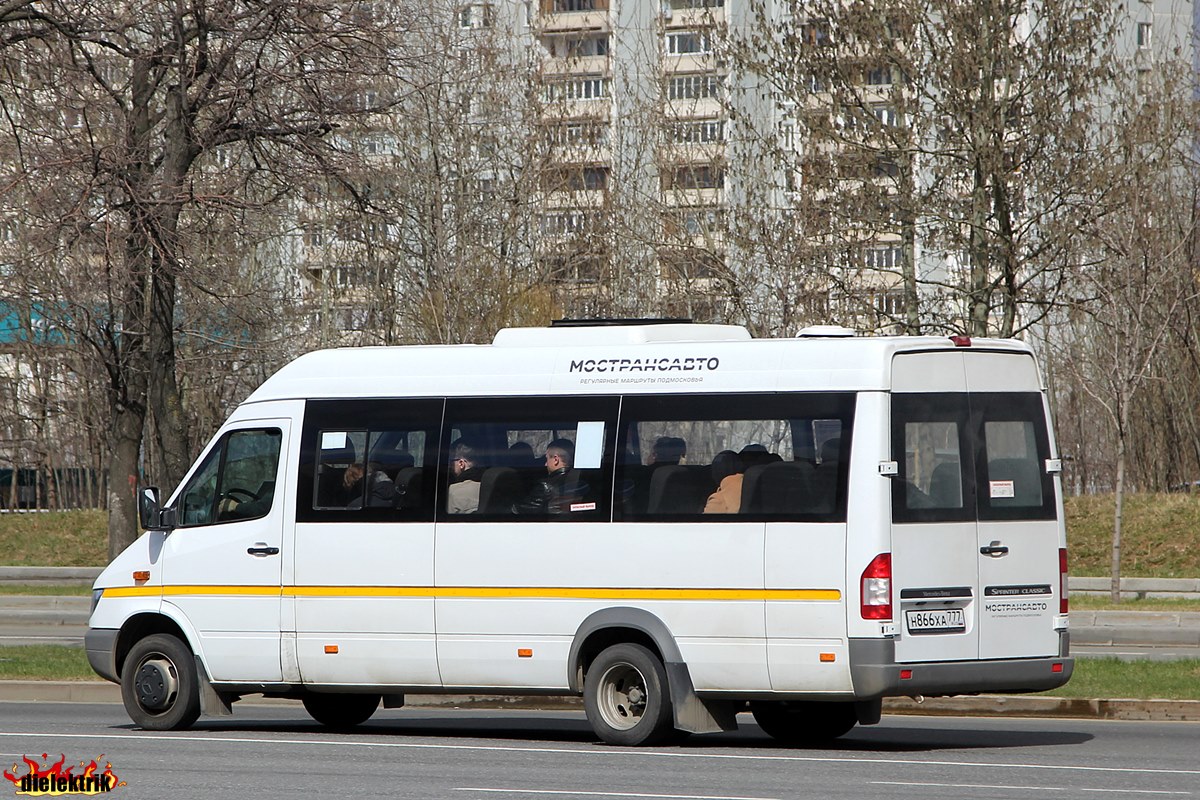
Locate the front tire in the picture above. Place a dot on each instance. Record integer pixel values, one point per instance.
(341, 711)
(804, 722)
(159, 685)
(625, 695)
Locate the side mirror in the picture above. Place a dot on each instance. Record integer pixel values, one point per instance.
(151, 516)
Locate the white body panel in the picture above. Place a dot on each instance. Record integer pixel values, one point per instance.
(497, 605)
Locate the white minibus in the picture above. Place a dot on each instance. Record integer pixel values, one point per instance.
(676, 521)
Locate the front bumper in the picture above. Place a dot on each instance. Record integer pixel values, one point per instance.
(101, 646)
(875, 673)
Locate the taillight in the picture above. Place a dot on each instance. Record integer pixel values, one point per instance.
(877, 588)
(1063, 603)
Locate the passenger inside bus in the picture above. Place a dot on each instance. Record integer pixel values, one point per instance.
(555, 492)
(727, 472)
(462, 496)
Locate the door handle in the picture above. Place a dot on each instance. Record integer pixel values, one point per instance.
(262, 550)
(995, 550)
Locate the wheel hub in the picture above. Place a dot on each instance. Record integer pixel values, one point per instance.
(156, 684)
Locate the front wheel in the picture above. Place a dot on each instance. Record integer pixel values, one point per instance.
(626, 698)
(159, 685)
(341, 711)
(804, 722)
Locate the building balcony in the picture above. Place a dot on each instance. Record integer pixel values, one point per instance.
(692, 17)
(577, 65)
(560, 16)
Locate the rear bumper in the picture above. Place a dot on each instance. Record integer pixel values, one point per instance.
(101, 646)
(875, 673)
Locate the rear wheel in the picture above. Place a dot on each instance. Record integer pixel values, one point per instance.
(625, 696)
(804, 722)
(159, 685)
(341, 711)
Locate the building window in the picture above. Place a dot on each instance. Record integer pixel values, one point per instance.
(578, 133)
(680, 5)
(1144, 32)
(694, 221)
(566, 223)
(815, 32)
(879, 76)
(695, 176)
(885, 114)
(581, 46)
(573, 89)
(694, 86)
(682, 43)
(697, 131)
(883, 258)
(560, 6)
(475, 15)
(577, 179)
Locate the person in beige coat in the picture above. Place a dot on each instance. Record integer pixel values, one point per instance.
(727, 471)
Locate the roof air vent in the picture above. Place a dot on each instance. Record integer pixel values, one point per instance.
(825, 332)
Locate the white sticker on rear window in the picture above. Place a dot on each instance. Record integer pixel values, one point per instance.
(583, 506)
(1002, 489)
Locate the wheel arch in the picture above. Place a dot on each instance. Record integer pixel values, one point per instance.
(144, 624)
(619, 625)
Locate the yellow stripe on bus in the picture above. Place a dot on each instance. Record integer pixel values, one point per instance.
(481, 592)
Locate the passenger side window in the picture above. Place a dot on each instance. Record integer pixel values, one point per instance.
(734, 457)
(236, 480)
(374, 471)
(528, 459)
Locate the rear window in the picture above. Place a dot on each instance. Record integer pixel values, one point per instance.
(971, 456)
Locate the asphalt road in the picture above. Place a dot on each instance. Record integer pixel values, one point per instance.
(276, 752)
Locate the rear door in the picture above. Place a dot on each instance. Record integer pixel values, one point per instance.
(976, 533)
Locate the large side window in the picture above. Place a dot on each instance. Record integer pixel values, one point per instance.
(368, 460)
(734, 457)
(236, 480)
(931, 444)
(528, 459)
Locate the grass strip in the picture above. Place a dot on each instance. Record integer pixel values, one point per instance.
(55, 538)
(1111, 678)
(1100, 603)
(44, 662)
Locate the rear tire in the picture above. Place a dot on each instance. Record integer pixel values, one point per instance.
(625, 695)
(804, 722)
(341, 711)
(159, 685)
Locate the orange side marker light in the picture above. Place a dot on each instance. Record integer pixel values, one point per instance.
(331, 649)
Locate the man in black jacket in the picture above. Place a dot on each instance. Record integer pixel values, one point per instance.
(552, 494)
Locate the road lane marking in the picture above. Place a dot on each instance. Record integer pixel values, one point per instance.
(1024, 788)
(610, 794)
(597, 751)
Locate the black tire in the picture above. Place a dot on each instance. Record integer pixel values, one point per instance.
(341, 711)
(159, 685)
(804, 722)
(626, 697)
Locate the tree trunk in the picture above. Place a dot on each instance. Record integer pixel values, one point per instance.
(1115, 591)
(165, 399)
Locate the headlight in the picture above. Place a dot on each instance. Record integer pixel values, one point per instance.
(96, 595)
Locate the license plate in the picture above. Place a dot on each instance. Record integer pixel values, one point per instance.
(939, 620)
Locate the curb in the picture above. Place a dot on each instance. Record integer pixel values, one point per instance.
(970, 706)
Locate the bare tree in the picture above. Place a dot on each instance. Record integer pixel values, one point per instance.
(1143, 268)
(949, 145)
(111, 108)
